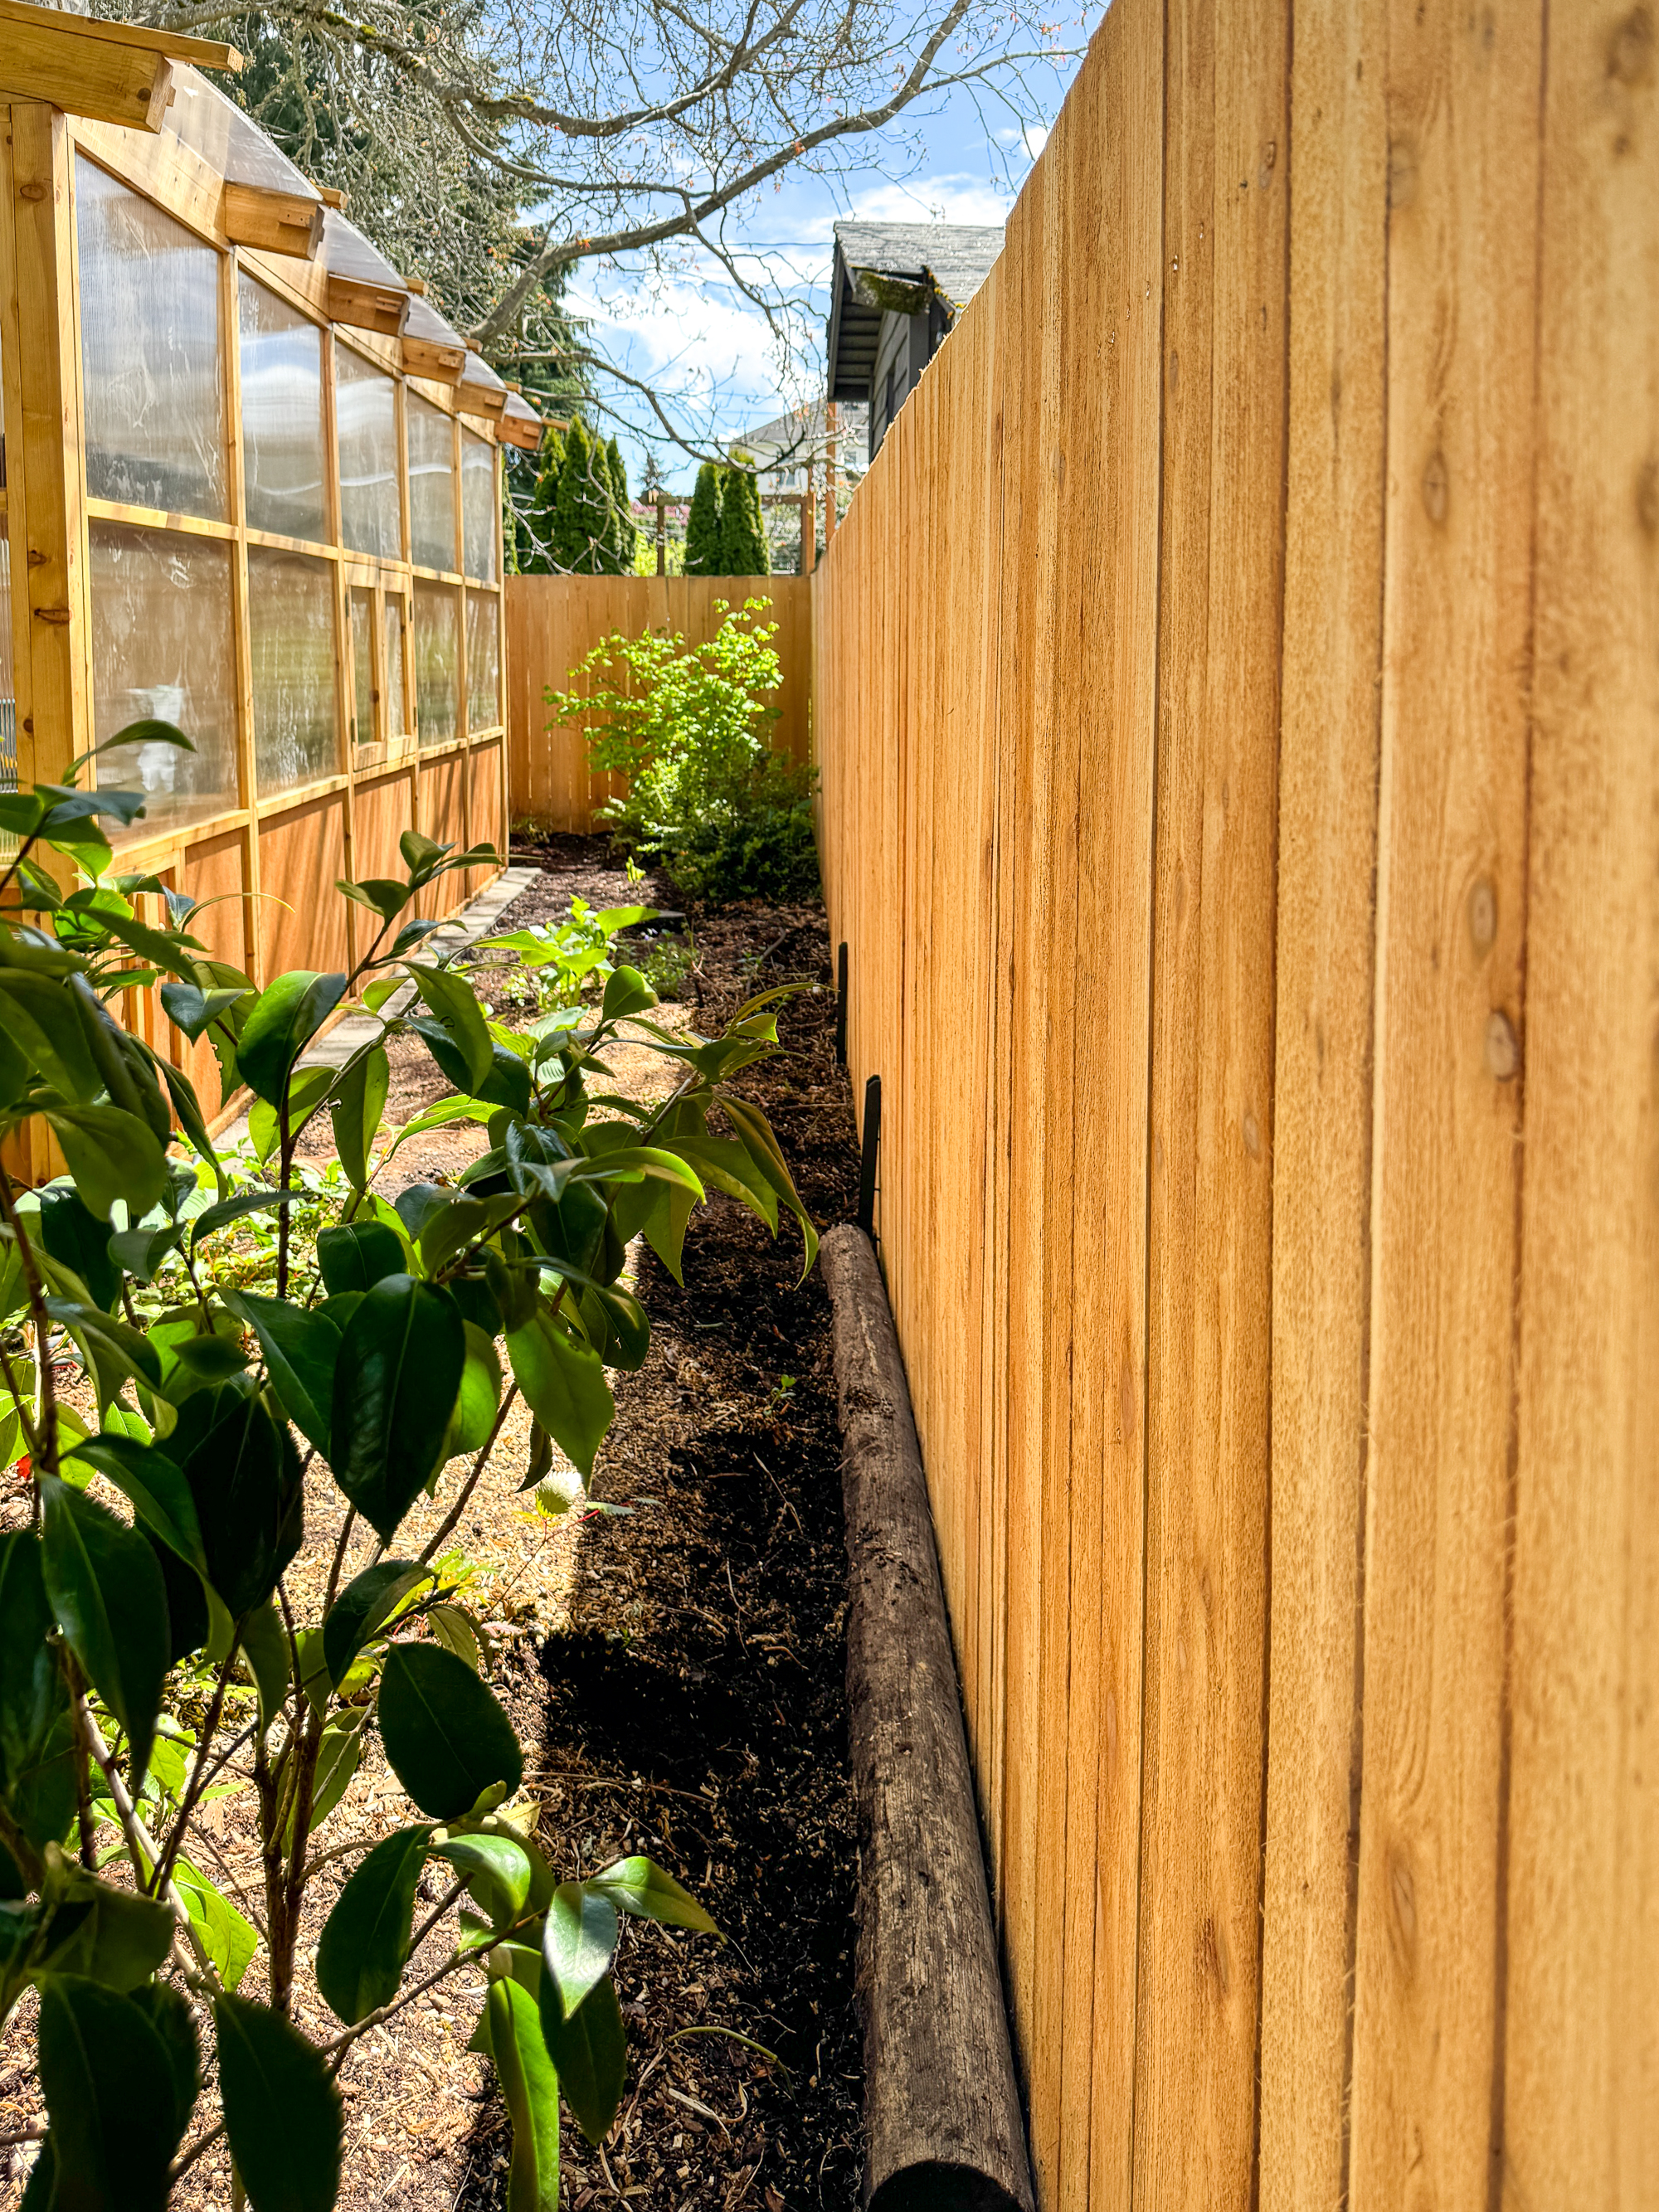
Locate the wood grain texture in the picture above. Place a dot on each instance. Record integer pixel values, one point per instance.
(1463, 94)
(1327, 875)
(1580, 2110)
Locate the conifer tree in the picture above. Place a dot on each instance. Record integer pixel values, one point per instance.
(702, 524)
(583, 514)
(627, 532)
(536, 553)
(743, 530)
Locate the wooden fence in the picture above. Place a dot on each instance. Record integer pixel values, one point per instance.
(551, 621)
(1238, 698)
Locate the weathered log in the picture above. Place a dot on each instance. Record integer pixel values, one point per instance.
(943, 2132)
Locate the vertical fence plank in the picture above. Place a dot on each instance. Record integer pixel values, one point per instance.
(1581, 2117)
(1463, 95)
(1210, 1260)
(1328, 746)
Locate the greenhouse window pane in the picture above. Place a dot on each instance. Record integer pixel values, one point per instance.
(283, 467)
(431, 486)
(484, 661)
(290, 609)
(364, 688)
(397, 709)
(161, 646)
(481, 513)
(366, 412)
(437, 663)
(149, 352)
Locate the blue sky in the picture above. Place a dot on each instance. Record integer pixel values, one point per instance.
(690, 330)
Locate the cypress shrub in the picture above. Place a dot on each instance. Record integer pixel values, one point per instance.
(744, 551)
(702, 526)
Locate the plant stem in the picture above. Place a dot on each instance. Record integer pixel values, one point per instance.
(346, 1527)
(472, 1482)
(199, 1772)
(141, 1844)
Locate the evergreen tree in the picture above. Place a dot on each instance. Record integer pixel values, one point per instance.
(542, 518)
(743, 528)
(628, 535)
(583, 514)
(702, 526)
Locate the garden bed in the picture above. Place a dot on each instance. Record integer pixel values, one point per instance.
(677, 1667)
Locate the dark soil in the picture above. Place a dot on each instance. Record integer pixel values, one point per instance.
(697, 1710)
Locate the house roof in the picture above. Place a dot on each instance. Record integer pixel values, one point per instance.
(901, 268)
(800, 435)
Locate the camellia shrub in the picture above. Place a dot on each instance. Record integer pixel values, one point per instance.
(142, 1651)
(708, 795)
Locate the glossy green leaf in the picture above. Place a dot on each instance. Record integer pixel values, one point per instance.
(626, 993)
(234, 1209)
(455, 1630)
(33, 1696)
(579, 1941)
(589, 2050)
(563, 1382)
(530, 2090)
(755, 1131)
(168, 2013)
(338, 1756)
(244, 1475)
(110, 1601)
(362, 1607)
(265, 1648)
(355, 1255)
(365, 1939)
(480, 1395)
(357, 1112)
(498, 1874)
(447, 1739)
(112, 1936)
(281, 1023)
(77, 1237)
(300, 1348)
(155, 1484)
(190, 1009)
(396, 1382)
(112, 1155)
(111, 2098)
(282, 2109)
(455, 1007)
(40, 1017)
(229, 1940)
(641, 1887)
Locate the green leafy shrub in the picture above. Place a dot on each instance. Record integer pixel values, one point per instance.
(708, 796)
(371, 1348)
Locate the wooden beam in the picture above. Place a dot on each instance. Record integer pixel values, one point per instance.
(276, 222)
(431, 358)
(513, 430)
(366, 307)
(484, 400)
(110, 72)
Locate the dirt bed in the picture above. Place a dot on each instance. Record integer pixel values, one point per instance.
(675, 1669)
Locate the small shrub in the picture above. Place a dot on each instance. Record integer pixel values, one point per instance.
(708, 796)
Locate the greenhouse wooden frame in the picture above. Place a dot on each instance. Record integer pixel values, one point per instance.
(267, 849)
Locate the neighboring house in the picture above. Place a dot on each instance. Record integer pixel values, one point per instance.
(782, 450)
(896, 289)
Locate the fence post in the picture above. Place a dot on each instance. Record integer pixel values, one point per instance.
(831, 456)
(809, 527)
(867, 1153)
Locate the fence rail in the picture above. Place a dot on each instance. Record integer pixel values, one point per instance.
(1237, 693)
(552, 621)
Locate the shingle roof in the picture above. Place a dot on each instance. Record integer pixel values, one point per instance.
(955, 256)
(901, 265)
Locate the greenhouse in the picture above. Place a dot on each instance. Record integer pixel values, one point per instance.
(251, 487)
